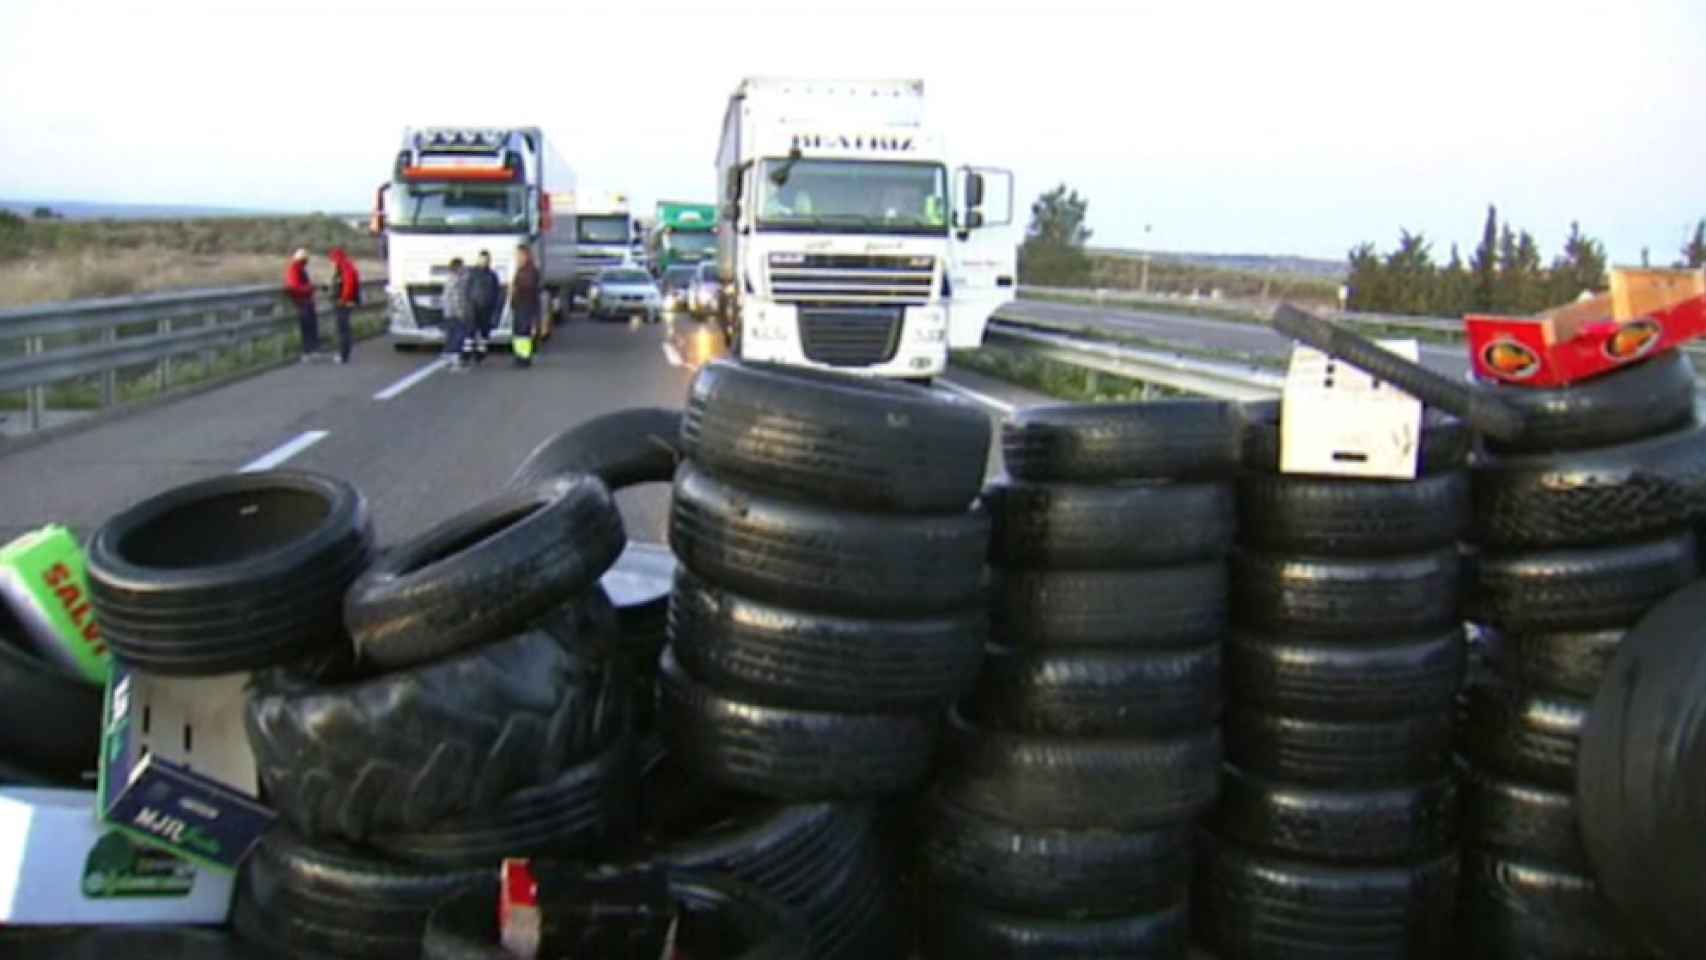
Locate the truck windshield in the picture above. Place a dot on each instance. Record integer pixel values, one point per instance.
(700, 243)
(854, 196)
(612, 229)
(458, 208)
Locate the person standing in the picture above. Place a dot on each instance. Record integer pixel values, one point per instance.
(300, 288)
(483, 299)
(346, 293)
(523, 305)
(457, 314)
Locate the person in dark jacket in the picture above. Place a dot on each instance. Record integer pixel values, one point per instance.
(457, 314)
(483, 299)
(300, 288)
(346, 293)
(523, 305)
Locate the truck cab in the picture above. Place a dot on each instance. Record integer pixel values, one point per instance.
(604, 238)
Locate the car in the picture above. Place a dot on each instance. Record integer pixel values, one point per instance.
(707, 289)
(677, 284)
(620, 292)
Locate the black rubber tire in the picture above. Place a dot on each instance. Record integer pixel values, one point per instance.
(1638, 401)
(1590, 589)
(1340, 753)
(1334, 597)
(1521, 733)
(834, 561)
(586, 811)
(1097, 693)
(790, 753)
(1049, 871)
(1248, 905)
(1445, 445)
(1103, 442)
(852, 442)
(127, 940)
(230, 574)
(1342, 517)
(50, 721)
(1584, 498)
(485, 573)
(1078, 527)
(1642, 772)
(1326, 679)
(1332, 825)
(399, 751)
(1516, 908)
(628, 447)
(1158, 607)
(960, 929)
(792, 658)
(1075, 782)
(1568, 663)
(1519, 819)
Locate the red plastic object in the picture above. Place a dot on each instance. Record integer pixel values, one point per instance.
(1577, 342)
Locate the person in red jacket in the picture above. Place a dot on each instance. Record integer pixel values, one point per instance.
(346, 293)
(300, 288)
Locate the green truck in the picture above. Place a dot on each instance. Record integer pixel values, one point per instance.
(684, 234)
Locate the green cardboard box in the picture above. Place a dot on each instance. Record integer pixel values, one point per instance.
(42, 579)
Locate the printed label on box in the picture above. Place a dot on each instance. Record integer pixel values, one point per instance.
(42, 580)
(1337, 420)
(118, 868)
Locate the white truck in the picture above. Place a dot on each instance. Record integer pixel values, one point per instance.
(604, 237)
(455, 191)
(846, 238)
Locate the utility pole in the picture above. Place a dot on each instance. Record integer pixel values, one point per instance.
(1143, 284)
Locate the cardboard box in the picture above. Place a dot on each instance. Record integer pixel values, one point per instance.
(176, 771)
(1336, 420)
(59, 866)
(1646, 312)
(42, 581)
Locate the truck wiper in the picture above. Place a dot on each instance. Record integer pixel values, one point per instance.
(779, 176)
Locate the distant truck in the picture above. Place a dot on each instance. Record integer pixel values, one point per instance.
(685, 234)
(604, 237)
(846, 238)
(455, 191)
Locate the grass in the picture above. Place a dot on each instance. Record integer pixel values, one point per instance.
(1059, 380)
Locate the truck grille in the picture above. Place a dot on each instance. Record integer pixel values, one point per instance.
(852, 279)
(427, 315)
(850, 336)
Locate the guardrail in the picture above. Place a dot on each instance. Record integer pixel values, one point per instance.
(1179, 371)
(55, 344)
(1255, 309)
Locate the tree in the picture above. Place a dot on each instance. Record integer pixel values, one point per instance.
(1053, 252)
(44, 213)
(1454, 292)
(1580, 267)
(1485, 265)
(1410, 275)
(1367, 281)
(1694, 251)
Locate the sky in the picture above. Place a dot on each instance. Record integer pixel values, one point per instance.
(1191, 125)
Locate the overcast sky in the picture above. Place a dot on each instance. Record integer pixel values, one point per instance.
(1231, 127)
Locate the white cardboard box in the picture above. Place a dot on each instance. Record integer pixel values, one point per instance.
(1336, 420)
(58, 865)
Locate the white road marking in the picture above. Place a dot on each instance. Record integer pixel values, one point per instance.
(980, 397)
(672, 355)
(285, 452)
(411, 379)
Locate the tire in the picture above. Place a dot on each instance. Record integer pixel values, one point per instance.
(855, 443)
(1325, 679)
(586, 810)
(791, 754)
(1342, 517)
(1567, 663)
(1103, 442)
(50, 721)
(1521, 733)
(1640, 775)
(397, 752)
(105, 943)
(959, 929)
(638, 585)
(230, 574)
(1569, 590)
(1445, 440)
(1589, 497)
(1333, 597)
(639, 445)
(1332, 825)
(1123, 784)
(1249, 905)
(1049, 871)
(1155, 608)
(1633, 403)
(1518, 819)
(792, 658)
(833, 561)
(1098, 693)
(1515, 908)
(485, 573)
(1339, 753)
(1075, 527)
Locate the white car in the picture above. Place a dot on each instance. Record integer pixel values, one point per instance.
(621, 292)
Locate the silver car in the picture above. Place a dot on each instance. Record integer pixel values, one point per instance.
(620, 292)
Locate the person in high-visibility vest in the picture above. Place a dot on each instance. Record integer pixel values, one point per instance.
(523, 305)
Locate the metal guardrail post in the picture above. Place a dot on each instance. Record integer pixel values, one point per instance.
(109, 377)
(35, 398)
(163, 370)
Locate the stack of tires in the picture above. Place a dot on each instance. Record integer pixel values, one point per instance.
(1061, 825)
(36, 754)
(1336, 826)
(827, 607)
(1581, 527)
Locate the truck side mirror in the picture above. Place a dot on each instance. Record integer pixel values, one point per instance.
(732, 188)
(974, 219)
(974, 193)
